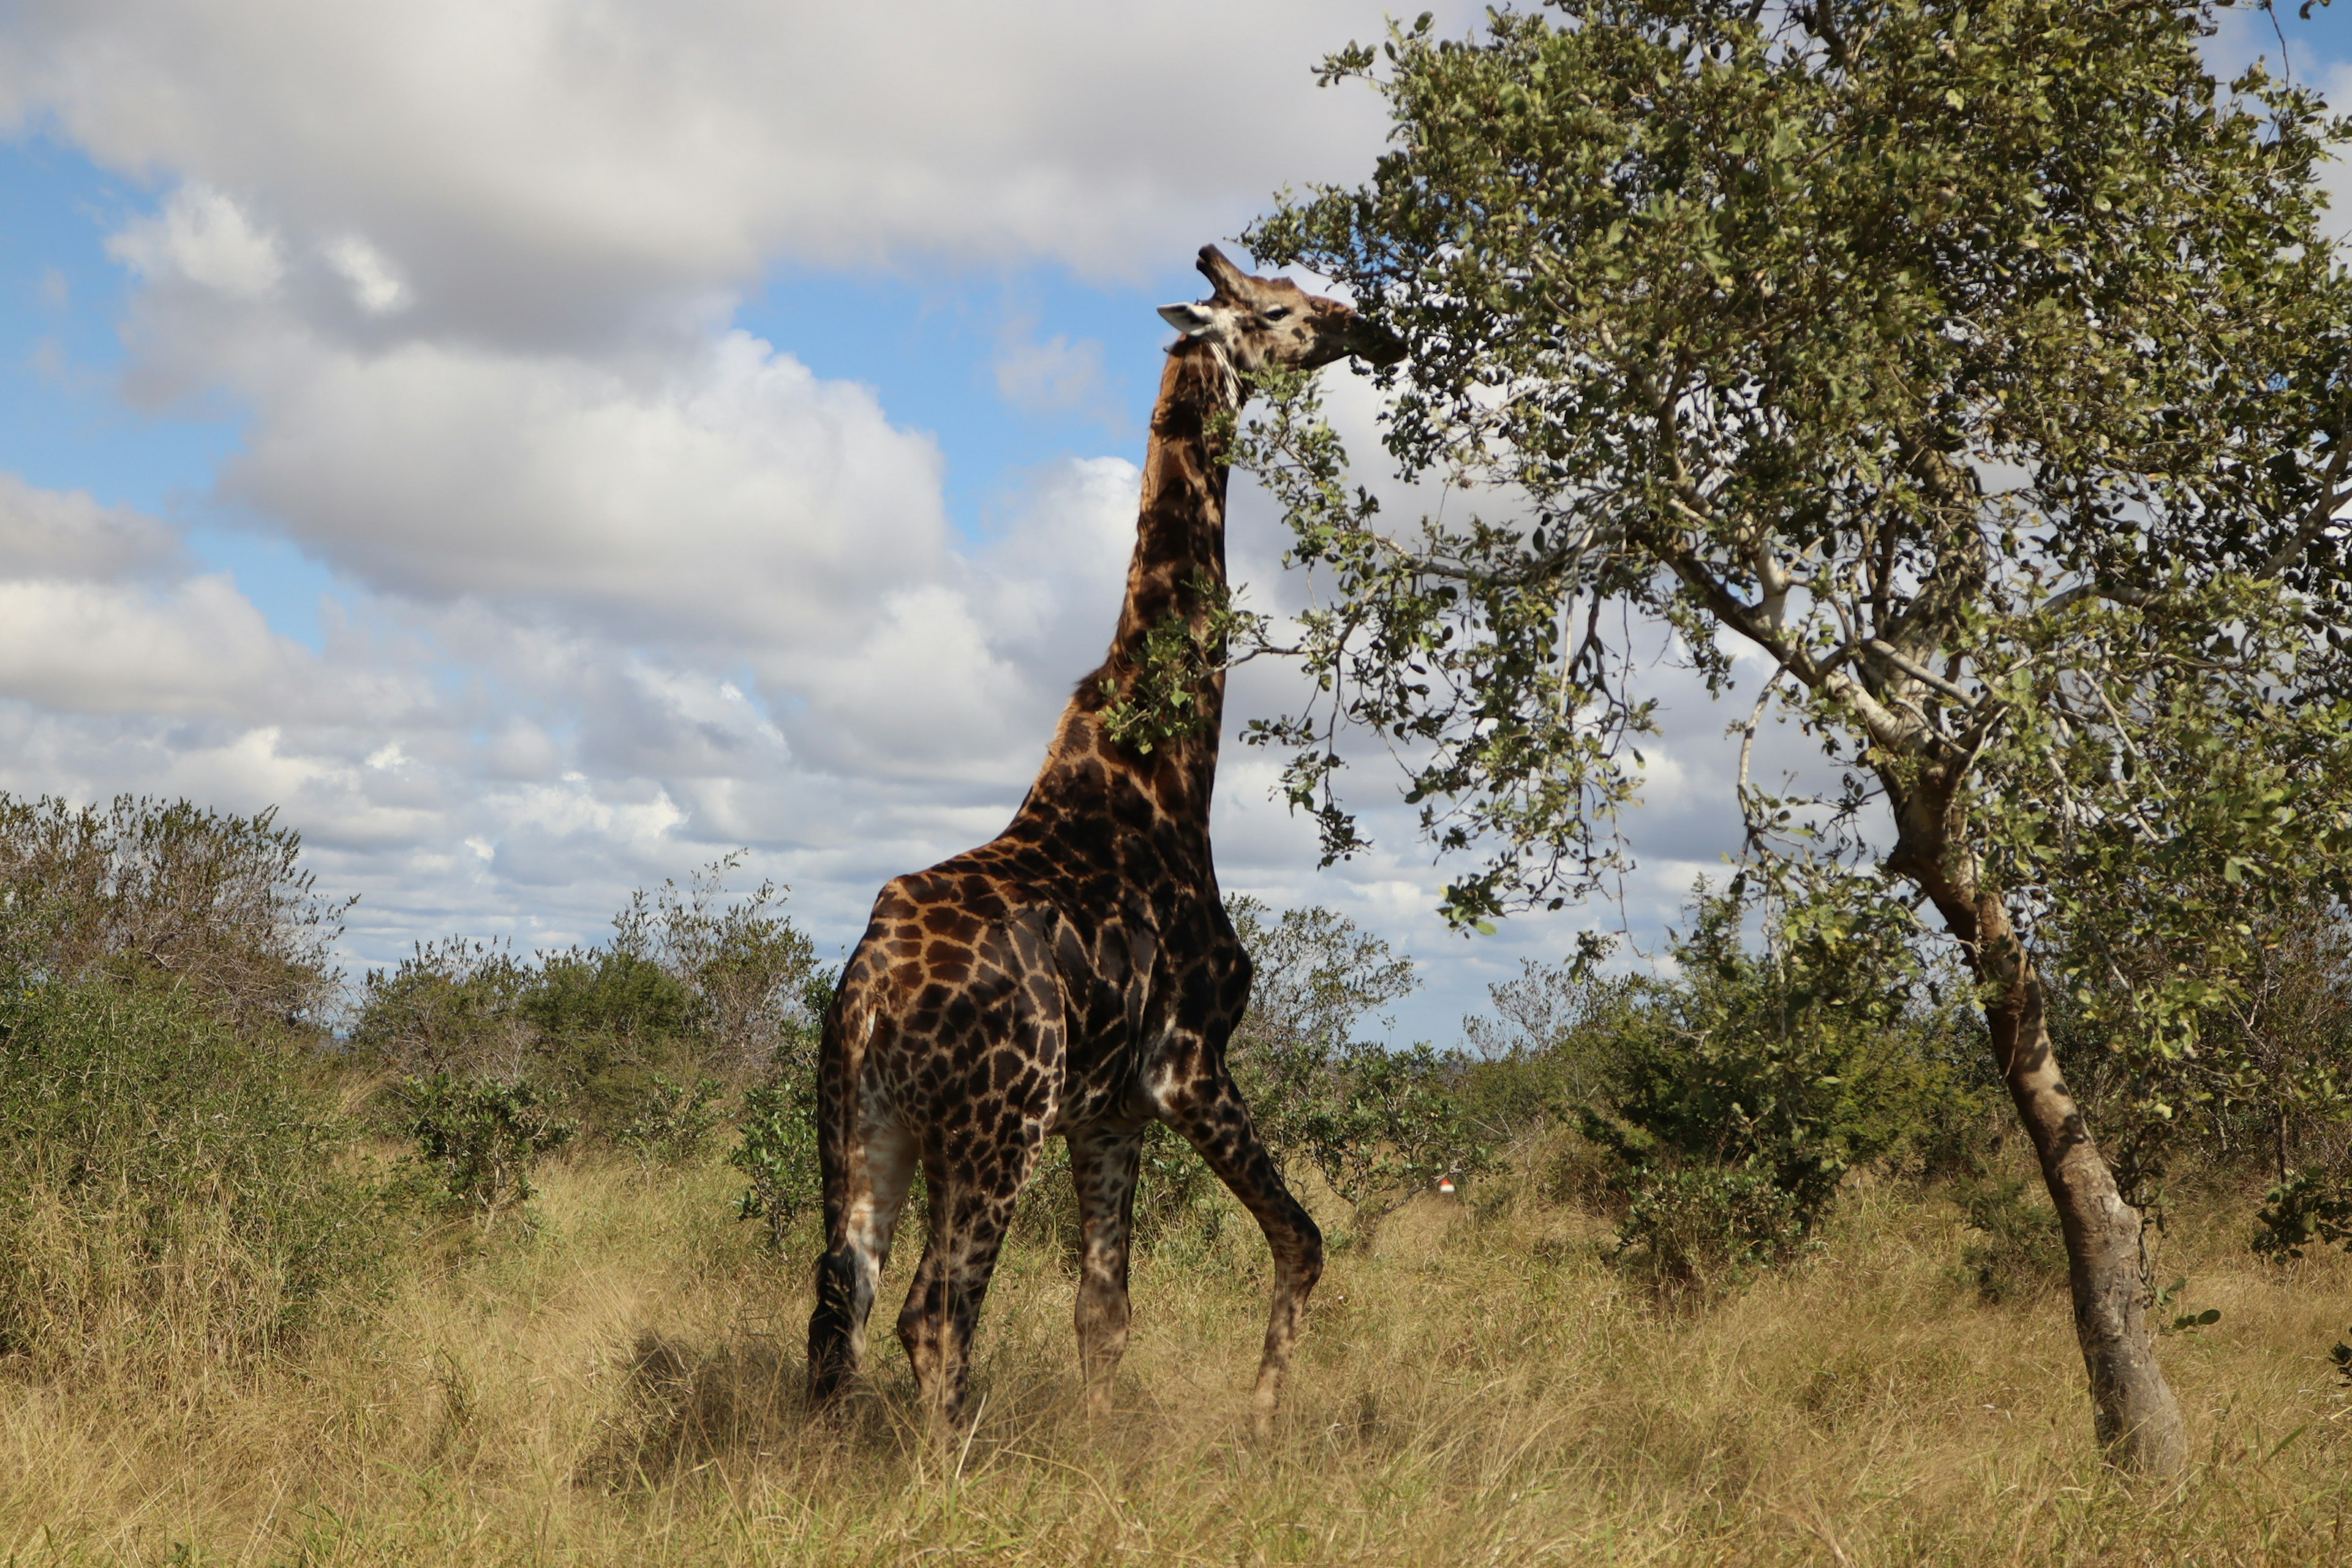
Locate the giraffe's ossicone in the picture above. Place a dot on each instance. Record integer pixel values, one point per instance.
(1076, 975)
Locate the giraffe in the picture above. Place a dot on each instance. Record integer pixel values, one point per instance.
(1077, 974)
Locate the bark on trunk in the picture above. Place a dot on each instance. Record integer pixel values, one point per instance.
(2136, 1419)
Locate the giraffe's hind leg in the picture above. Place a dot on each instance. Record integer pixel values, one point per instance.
(972, 1199)
(1214, 1120)
(877, 1169)
(1103, 1161)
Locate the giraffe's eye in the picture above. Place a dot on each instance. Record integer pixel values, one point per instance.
(1277, 313)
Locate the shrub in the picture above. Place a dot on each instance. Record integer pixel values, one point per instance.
(1380, 1126)
(671, 1123)
(777, 1148)
(1551, 1046)
(777, 1154)
(2304, 1210)
(159, 1174)
(690, 986)
(1795, 1064)
(1694, 1230)
(452, 1007)
(479, 1137)
(152, 892)
(756, 983)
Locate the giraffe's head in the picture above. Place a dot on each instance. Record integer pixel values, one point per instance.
(1258, 321)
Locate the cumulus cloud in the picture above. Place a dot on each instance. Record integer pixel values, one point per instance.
(203, 236)
(376, 285)
(726, 496)
(1056, 375)
(551, 169)
(67, 534)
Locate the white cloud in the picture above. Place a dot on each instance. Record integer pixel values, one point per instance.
(1053, 376)
(102, 648)
(57, 533)
(553, 168)
(203, 236)
(728, 497)
(376, 285)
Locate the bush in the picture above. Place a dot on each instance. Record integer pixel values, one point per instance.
(777, 1154)
(671, 1123)
(1380, 1126)
(148, 892)
(777, 1149)
(1691, 1231)
(163, 1175)
(690, 986)
(477, 1138)
(2304, 1210)
(452, 1007)
(1795, 1064)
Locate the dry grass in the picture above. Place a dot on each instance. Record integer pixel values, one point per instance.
(623, 1388)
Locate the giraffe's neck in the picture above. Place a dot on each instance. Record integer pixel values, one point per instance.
(1177, 573)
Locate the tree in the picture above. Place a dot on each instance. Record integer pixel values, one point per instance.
(1978, 363)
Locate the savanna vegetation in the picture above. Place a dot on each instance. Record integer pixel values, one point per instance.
(1994, 409)
(507, 1259)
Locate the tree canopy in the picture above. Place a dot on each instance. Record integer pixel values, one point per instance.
(1980, 364)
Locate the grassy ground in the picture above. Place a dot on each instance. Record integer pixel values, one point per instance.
(623, 1387)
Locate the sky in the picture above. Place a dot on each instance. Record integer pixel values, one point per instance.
(539, 446)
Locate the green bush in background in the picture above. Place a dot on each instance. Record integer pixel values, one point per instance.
(170, 1165)
(160, 1170)
(476, 1139)
(694, 985)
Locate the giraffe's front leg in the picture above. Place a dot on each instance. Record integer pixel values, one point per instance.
(1213, 1118)
(1103, 1163)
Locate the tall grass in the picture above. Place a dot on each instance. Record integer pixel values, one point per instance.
(620, 1383)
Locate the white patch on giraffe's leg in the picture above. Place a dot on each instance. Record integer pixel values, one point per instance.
(882, 1169)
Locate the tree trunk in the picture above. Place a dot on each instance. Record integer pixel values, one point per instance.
(2136, 1419)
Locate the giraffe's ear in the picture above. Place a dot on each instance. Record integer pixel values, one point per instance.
(1188, 318)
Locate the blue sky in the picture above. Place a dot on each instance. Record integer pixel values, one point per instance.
(540, 448)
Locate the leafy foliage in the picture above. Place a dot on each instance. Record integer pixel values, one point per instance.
(157, 1168)
(692, 985)
(2016, 1254)
(2302, 1211)
(165, 893)
(777, 1154)
(1379, 1125)
(1170, 689)
(1690, 1231)
(477, 1138)
(777, 1149)
(672, 1123)
(1796, 1064)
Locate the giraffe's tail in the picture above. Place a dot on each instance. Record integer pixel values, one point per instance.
(835, 1325)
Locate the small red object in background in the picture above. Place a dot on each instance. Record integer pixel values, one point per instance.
(1445, 1184)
